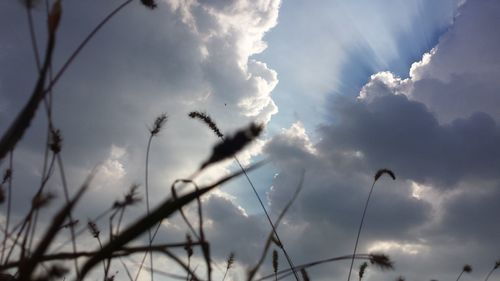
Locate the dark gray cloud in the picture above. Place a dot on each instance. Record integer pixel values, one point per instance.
(396, 132)
(180, 57)
(438, 130)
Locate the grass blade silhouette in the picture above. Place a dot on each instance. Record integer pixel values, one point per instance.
(205, 118)
(378, 174)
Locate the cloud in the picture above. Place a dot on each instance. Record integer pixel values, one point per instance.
(396, 132)
(440, 140)
(457, 77)
(437, 129)
(180, 57)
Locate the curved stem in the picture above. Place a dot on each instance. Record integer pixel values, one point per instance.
(146, 183)
(9, 204)
(147, 204)
(359, 230)
(489, 274)
(70, 216)
(84, 43)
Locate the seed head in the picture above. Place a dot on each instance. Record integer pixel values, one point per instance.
(230, 261)
(149, 3)
(130, 198)
(207, 120)
(384, 171)
(55, 141)
(158, 124)
(362, 270)
(231, 145)
(41, 200)
(70, 224)
(275, 261)
(94, 230)
(382, 261)
(189, 245)
(6, 176)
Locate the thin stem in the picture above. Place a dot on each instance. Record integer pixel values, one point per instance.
(489, 273)
(9, 204)
(282, 247)
(33, 37)
(42, 185)
(123, 252)
(146, 180)
(163, 211)
(83, 229)
(359, 230)
(66, 196)
(286, 272)
(23, 225)
(460, 275)
(85, 42)
(254, 270)
(225, 273)
(120, 220)
(146, 183)
(126, 270)
(189, 266)
(106, 268)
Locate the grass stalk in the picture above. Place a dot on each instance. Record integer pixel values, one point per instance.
(378, 174)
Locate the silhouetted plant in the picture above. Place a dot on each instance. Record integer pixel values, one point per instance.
(362, 270)
(465, 269)
(118, 245)
(378, 174)
(495, 267)
(205, 118)
(229, 264)
(275, 264)
(305, 276)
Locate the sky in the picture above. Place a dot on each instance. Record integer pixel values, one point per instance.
(344, 88)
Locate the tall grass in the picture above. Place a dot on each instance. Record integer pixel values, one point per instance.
(28, 254)
(378, 174)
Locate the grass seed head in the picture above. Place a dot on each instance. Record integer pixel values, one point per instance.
(158, 124)
(55, 143)
(6, 176)
(382, 261)
(205, 118)
(94, 230)
(42, 199)
(149, 3)
(467, 268)
(70, 224)
(275, 261)
(130, 198)
(362, 269)
(189, 245)
(231, 145)
(230, 260)
(380, 172)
